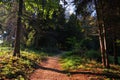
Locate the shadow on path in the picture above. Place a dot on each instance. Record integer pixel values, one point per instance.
(108, 75)
(37, 66)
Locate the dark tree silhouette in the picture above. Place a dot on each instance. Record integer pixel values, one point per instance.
(18, 30)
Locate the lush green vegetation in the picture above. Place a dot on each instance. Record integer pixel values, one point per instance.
(84, 32)
(19, 68)
(72, 62)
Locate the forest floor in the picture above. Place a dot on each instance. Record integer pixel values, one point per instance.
(63, 66)
(51, 69)
(35, 65)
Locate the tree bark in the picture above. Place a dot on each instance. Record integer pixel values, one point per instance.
(18, 31)
(101, 39)
(106, 47)
(105, 36)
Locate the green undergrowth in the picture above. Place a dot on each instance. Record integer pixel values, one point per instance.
(14, 68)
(73, 62)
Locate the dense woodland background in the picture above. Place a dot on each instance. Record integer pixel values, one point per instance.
(85, 28)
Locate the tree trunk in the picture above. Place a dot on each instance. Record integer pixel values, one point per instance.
(102, 47)
(18, 31)
(105, 32)
(101, 39)
(106, 47)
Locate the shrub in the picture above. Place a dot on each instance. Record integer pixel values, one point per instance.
(19, 68)
(72, 62)
(92, 54)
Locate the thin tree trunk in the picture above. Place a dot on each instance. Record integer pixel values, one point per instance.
(102, 47)
(18, 31)
(106, 49)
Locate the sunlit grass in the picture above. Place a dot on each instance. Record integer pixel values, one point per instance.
(5, 51)
(71, 62)
(76, 62)
(18, 68)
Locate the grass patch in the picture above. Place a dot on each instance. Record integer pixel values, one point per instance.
(19, 68)
(72, 62)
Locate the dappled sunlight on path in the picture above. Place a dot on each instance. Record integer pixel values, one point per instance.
(50, 69)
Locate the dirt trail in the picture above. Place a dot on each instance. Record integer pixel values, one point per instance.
(51, 70)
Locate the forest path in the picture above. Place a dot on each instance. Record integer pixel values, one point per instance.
(51, 69)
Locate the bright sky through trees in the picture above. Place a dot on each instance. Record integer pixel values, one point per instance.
(69, 7)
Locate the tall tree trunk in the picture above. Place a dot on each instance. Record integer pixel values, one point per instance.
(101, 39)
(102, 47)
(18, 31)
(105, 36)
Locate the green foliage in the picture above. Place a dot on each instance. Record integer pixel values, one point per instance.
(80, 59)
(82, 48)
(5, 44)
(72, 41)
(118, 42)
(5, 51)
(92, 54)
(111, 59)
(72, 62)
(51, 50)
(49, 24)
(40, 6)
(19, 68)
(15, 67)
(41, 26)
(30, 40)
(90, 42)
